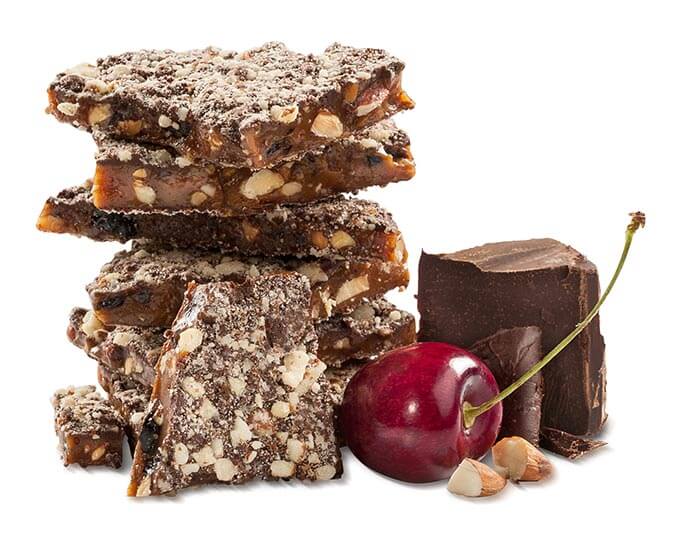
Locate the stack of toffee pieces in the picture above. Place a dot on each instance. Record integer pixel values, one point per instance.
(252, 288)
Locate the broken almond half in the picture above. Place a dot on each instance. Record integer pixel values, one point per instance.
(475, 479)
(518, 460)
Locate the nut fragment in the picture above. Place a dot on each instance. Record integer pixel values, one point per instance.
(68, 108)
(326, 124)
(325, 472)
(90, 323)
(518, 460)
(280, 409)
(180, 453)
(282, 468)
(319, 239)
(164, 121)
(189, 340)
(145, 194)
(197, 198)
(208, 410)
(240, 432)
(295, 449)
(193, 387)
(291, 188)
(237, 385)
(284, 114)
(341, 239)
(99, 113)
(313, 272)
(98, 452)
(474, 479)
(261, 183)
(352, 288)
(295, 364)
(130, 127)
(225, 469)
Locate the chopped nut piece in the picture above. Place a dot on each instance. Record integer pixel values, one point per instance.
(282, 468)
(198, 198)
(130, 128)
(189, 340)
(250, 232)
(261, 183)
(341, 239)
(99, 113)
(145, 194)
(352, 288)
(280, 409)
(325, 472)
(284, 114)
(68, 108)
(327, 125)
(225, 470)
(291, 188)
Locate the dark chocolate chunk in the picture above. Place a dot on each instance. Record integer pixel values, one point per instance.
(468, 295)
(509, 353)
(566, 444)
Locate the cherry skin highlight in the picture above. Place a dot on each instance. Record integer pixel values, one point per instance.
(402, 415)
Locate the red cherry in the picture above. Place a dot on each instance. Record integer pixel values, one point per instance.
(403, 414)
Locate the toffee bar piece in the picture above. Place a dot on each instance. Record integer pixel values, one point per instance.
(251, 109)
(131, 176)
(130, 352)
(145, 286)
(337, 226)
(468, 295)
(89, 429)
(371, 329)
(240, 394)
(338, 378)
(509, 353)
(567, 445)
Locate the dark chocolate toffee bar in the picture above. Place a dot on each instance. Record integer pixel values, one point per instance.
(250, 109)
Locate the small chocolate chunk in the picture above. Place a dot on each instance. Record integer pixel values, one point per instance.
(509, 353)
(567, 445)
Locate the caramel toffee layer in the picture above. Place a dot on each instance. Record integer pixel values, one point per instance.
(335, 227)
(240, 394)
(90, 430)
(250, 109)
(131, 176)
(132, 352)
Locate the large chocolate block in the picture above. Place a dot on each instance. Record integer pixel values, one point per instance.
(239, 394)
(468, 295)
(509, 353)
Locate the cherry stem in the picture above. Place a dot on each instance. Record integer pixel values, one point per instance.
(471, 412)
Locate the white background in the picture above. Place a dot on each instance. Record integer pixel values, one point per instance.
(533, 119)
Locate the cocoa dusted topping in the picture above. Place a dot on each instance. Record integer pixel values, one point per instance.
(240, 394)
(250, 109)
(131, 176)
(369, 330)
(145, 286)
(335, 227)
(90, 431)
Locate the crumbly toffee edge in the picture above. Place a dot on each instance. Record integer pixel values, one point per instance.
(246, 395)
(222, 89)
(384, 136)
(372, 317)
(140, 346)
(82, 411)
